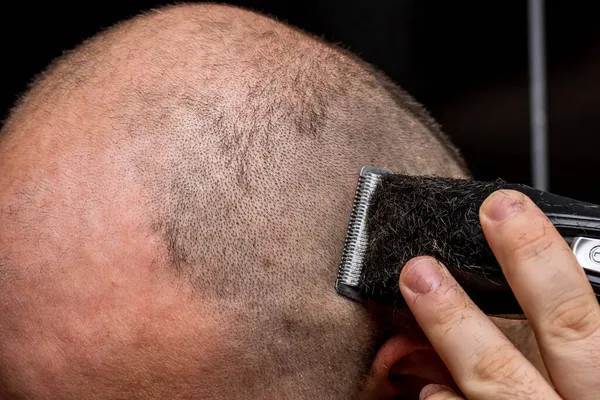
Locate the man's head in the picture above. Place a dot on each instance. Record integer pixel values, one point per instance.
(174, 196)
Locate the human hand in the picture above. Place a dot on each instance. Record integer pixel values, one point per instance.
(552, 290)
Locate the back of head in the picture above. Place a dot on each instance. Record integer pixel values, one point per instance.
(174, 196)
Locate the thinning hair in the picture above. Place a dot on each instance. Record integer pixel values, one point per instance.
(248, 136)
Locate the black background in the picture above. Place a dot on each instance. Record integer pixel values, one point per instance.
(465, 61)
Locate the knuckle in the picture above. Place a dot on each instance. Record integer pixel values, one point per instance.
(447, 316)
(452, 308)
(496, 364)
(502, 370)
(533, 244)
(572, 318)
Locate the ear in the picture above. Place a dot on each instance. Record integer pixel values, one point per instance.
(402, 367)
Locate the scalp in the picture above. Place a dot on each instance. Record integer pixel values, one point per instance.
(221, 148)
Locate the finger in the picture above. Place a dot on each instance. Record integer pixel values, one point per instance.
(552, 289)
(438, 392)
(483, 362)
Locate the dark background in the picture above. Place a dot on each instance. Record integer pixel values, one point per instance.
(465, 61)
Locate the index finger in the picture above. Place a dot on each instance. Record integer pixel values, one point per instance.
(551, 287)
(483, 362)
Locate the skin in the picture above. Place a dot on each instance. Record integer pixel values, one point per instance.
(556, 298)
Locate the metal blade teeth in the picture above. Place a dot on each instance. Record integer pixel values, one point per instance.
(356, 237)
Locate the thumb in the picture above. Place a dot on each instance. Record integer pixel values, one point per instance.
(438, 392)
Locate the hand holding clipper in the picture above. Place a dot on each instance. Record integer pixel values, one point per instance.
(553, 291)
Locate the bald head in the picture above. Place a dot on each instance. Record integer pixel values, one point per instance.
(173, 201)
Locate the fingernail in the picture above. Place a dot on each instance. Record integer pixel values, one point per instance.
(502, 205)
(422, 275)
(433, 389)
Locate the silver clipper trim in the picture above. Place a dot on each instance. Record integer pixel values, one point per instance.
(351, 265)
(587, 252)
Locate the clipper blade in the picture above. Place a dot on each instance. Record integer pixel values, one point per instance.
(351, 265)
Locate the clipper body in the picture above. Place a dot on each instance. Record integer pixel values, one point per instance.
(479, 274)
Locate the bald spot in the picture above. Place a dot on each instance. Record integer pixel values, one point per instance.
(174, 197)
